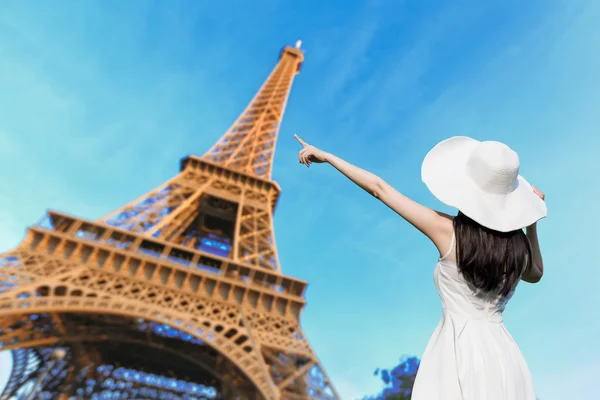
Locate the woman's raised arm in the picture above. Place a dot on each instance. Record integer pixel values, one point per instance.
(435, 225)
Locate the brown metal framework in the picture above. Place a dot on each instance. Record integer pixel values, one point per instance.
(178, 294)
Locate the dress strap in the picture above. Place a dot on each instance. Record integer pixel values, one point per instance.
(451, 247)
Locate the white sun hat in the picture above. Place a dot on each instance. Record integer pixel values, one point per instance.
(481, 180)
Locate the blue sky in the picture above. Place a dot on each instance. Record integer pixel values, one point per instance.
(99, 100)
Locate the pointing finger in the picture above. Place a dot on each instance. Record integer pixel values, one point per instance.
(302, 142)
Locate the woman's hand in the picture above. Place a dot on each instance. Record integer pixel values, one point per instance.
(310, 154)
(535, 271)
(540, 194)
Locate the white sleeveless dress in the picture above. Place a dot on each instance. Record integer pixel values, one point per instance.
(471, 355)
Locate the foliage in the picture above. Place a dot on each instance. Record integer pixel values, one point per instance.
(398, 381)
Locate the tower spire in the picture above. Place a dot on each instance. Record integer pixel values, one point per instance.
(248, 146)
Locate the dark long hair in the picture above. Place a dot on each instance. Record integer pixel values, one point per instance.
(491, 261)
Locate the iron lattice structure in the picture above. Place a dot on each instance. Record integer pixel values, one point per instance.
(177, 295)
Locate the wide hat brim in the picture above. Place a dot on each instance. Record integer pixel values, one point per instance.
(444, 171)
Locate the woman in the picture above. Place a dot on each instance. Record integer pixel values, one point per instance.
(484, 253)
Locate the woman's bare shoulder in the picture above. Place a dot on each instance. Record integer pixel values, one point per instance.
(443, 240)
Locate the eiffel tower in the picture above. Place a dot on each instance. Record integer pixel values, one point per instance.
(177, 295)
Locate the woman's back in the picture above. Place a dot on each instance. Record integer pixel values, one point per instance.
(470, 355)
(460, 297)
